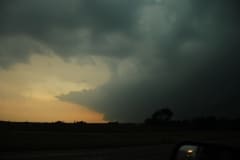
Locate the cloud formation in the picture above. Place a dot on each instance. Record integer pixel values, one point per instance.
(180, 54)
(66, 27)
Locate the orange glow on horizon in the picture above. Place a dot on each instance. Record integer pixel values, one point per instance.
(28, 90)
(46, 111)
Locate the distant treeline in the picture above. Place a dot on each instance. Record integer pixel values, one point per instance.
(160, 120)
(163, 118)
(62, 126)
(210, 123)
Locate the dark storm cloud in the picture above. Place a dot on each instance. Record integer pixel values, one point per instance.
(66, 27)
(32, 16)
(191, 66)
(181, 54)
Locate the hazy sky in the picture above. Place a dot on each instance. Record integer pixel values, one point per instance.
(97, 60)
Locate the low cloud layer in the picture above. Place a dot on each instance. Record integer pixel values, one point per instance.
(179, 54)
(69, 28)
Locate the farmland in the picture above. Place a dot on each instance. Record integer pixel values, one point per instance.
(101, 141)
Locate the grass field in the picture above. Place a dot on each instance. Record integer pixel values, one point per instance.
(111, 141)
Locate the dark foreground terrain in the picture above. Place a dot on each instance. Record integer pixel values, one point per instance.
(121, 153)
(101, 141)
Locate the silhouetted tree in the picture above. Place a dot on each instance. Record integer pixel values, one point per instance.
(164, 114)
(160, 116)
(80, 123)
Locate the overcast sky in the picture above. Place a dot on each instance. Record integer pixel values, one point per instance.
(118, 59)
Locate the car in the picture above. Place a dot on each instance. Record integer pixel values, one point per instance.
(204, 151)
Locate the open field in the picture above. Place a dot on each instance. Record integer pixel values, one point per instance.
(122, 153)
(44, 140)
(97, 143)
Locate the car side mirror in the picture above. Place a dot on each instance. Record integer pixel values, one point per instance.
(200, 151)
